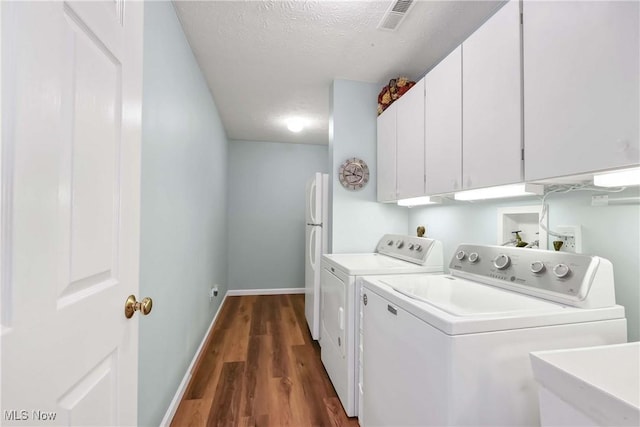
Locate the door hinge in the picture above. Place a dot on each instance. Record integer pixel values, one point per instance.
(521, 19)
(522, 154)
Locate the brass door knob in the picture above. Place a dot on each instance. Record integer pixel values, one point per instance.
(131, 306)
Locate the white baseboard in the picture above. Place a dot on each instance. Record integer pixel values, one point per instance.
(277, 291)
(182, 388)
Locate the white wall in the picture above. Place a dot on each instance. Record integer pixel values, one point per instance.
(612, 232)
(358, 220)
(266, 212)
(183, 211)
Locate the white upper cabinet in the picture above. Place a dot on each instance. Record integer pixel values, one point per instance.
(492, 102)
(410, 142)
(581, 86)
(386, 155)
(443, 125)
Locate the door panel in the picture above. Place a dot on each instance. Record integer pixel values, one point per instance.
(386, 155)
(71, 207)
(581, 86)
(410, 143)
(443, 125)
(492, 102)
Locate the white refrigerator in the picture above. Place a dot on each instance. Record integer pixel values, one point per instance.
(316, 235)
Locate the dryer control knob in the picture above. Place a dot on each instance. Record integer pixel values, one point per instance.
(411, 246)
(537, 267)
(390, 242)
(419, 248)
(561, 270)
(474, 257)
(399, 244)
(502, 261)
(460, 255)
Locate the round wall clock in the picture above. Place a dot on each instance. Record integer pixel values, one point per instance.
(353, 174)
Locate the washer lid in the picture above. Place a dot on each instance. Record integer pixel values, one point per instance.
(459, 306)
(368, 264)
(460, 297)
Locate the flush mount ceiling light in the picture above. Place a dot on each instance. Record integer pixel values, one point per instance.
(503, 191)
(619, 178)
(295, 124)
(418, 201)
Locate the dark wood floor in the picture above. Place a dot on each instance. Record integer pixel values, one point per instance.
(260, 367)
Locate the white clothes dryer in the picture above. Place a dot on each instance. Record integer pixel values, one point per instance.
(453, 350)
(339, 307)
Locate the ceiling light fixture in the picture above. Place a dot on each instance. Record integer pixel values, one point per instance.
(417, 201)
(619, 178)
(503, 191)
(295, 124)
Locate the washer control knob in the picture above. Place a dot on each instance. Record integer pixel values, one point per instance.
(537, 267)
(389, 242)
(411, 246)
(502, 261)
(399, 244)
(561, 270)
(460, 255)
(419, 248)
(474, 257)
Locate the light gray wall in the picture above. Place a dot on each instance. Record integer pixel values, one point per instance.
(266, 212)
(611, 232)
(358, 220)
(184, 210)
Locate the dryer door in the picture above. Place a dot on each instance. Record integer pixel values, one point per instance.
(333, 316)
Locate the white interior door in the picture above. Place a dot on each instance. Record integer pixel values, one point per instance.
(71, 110)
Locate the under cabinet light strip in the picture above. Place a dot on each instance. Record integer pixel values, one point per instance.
(416, 201)
(619, 178)
(503, 191)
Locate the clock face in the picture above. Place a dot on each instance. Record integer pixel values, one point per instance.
(354, 174)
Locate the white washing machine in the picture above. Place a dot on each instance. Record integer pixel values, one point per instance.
(339, 308)
(453, 350)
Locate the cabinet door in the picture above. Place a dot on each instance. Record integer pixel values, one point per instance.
(443, 125)
(410, 142)
(386, 161)
(492, 108)
(581, 86)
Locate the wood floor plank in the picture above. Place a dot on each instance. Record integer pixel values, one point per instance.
(225, 408)
(337, 416)
(313, 386)
(279, 352)
(256, 377)
(237, 337)
(192, 413)
(291, 329)
(229, 308)
(258, 321)
(280, 403)
(297, 303)
(209, 365)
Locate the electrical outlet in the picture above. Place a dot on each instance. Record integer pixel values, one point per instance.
(572, 238)
(213, 292)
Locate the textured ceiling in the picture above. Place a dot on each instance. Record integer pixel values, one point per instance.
(267, 60)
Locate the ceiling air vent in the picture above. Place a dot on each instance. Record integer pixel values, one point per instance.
(395, 15)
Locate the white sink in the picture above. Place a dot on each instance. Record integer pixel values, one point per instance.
(592, 386)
